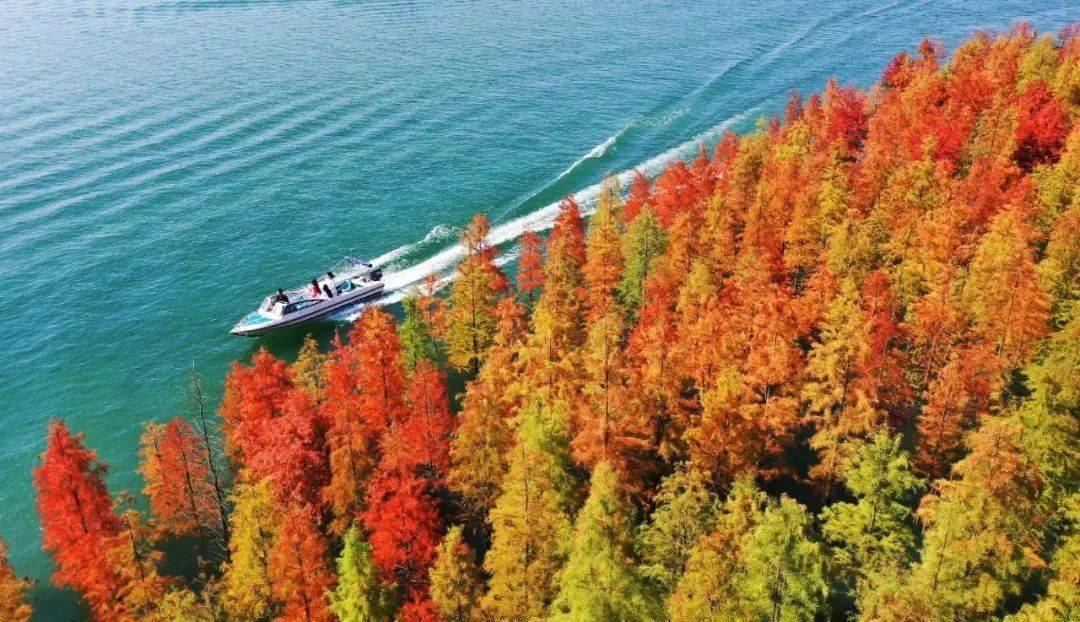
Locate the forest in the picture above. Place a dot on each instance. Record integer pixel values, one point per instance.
(826, 370)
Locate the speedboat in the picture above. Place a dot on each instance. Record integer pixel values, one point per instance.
(358, 282)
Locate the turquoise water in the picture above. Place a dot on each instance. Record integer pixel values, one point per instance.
(164, 164)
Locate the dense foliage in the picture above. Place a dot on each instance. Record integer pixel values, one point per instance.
(827, 370)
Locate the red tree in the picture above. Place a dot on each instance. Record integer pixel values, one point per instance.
(364, 387)
(298, 566)
(568, 232)
(177, 479)
(421, 443)
(637, 197)
(253, 396)
(530, 266)
(418, 608)
(846, 117)
(673, 192)
(78, 525)
(292, 452)
(1042, 125)
(404, 525)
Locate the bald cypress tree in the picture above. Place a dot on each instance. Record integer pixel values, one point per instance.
(472, 320)
(601, 581)
(359, 595)
(643, 244)
(456, 580)
(13, 601)
(837, 400)
(603, 251)
(784, 577)
(309, 371)
(245, 589)
(530, 533)
(706, 591)
(873, 538)
(685, 512)
(417, 340)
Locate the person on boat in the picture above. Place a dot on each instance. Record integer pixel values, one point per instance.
(280, 296)
(326, 290)
(329, 283)
(314, 291)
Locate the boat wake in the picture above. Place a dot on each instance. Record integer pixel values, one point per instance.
(438, 232)
(401, 282)
(596, 152)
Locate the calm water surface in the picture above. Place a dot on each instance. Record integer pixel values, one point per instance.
(165, 163)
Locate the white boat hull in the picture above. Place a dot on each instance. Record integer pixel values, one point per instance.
(259, 323)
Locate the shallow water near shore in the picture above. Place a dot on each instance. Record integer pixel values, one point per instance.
(166, 163)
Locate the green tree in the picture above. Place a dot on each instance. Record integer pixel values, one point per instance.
(456, 580)
(982, 531)
(417, 340)
(600, 581)
(873, 536)
(685, 512)
(1050, 418)
(706, 591)
(784, 580)
(1062, 598)
(359, 596)
(644, 243)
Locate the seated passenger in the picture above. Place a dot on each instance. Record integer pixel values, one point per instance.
(314, 292)
(280, 296)
(329, 283)
(326, 290)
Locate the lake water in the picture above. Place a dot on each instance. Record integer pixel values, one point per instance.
(166, 163)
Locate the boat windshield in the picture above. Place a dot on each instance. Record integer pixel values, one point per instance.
(293, 307)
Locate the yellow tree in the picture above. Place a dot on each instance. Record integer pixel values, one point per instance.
(456, 580)
(478, 451)
(559, 318)
(245, 589)
(1002, 295)
(835, 393)
(308, 369)
(604, 257)
(530, 533)
(13, 602)
(608, 421)
(473, 297)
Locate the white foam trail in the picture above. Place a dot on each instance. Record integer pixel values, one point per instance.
(438, 232)
(399, 282)
(595, 152)
(395, 296)
(391, 255)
